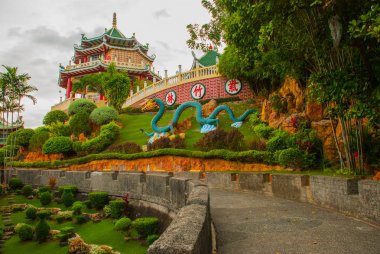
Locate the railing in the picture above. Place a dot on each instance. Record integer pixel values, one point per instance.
(179, 79)
(106, 62)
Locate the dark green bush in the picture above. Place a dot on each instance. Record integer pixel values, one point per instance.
(25, 232)
(146, 226)
(22, 137)
(31, 213)
(103, 115)
(123, 224)
(27, 190)
(59, 129)
(44, 214)
(72, 188)
(42, 189)
(66, 233)
(291, 157)
(151, 239)
(54, 117)
(58, 145)
(77, 208)
(15, 183)
(42, 231)
(254, 119)
(38, 140)
(117, 208)
(79, 219)
(127, 148)
(263, 130)
(98, 199)
(278, 141)
(67, 197)
(79, 123)
(1, 233)
(81, 105)
(60, 219)
(88, 204)
(45, 198)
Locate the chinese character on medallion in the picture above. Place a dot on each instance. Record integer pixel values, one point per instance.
(233, 86)
(198, 90)
(170, 98)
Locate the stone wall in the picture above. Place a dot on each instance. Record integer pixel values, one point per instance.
(184, 200)
(358, 198)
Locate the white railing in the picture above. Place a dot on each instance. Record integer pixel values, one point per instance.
(179, 79)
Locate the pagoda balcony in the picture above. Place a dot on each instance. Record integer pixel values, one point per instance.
(129, 65)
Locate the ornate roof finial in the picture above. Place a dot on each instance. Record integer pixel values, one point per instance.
(114, 21)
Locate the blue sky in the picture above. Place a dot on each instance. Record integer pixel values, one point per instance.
(38, 35)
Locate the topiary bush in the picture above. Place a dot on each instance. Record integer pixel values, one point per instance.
(54, 117)
(127, 148)
(31, 213)
(15, 184)
(151, 239)
(60, 129)
(72, 188)
(77, 208)
(42, 230)
(44, 214)
(263, 130)
(123, 224)
(25, 232)
(20, 137)
(145, 226)
(67, 197)
(79, 219)
(42, 189)
(45, 198)
(81, 105)
(58, 145)
(291, 157)
(88, 204)
(79, 123)
(117, 208)
(98, 199)
(38, 139)
(60, 219)
(278, 141)
(103, 115)
(27, 190)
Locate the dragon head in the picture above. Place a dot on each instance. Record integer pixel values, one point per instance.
(149, 105)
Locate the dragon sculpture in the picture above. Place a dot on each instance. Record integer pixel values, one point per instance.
(207, 124)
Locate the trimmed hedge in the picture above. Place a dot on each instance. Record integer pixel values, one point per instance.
(79, 123)
(45, 198)
(58, 145)
(81, 105)
(117, 208)
(103, 115)
(72, 188)
(54, 117)
(67, 197)
(251, 156)
(25, 232)
(98, 199)
(77, 208)
(22, 136)
(146, 226)
(15, 183)
(123, 224)
(38, 140)
(31, 213)
(27, 190)
(42, 231)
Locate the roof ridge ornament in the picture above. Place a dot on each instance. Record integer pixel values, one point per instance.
(114, 21)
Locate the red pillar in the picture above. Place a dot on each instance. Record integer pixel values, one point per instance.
(68, 88)
(101, 97)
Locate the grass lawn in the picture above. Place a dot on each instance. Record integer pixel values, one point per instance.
(134, 122)
(101, 233)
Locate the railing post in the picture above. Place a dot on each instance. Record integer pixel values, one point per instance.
(179, 73)
(166, 77)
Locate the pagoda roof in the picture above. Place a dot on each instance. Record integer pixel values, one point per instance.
(208, 59)
(114, 32)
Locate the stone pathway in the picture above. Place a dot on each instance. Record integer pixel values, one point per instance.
(6, 217)
(248, 222)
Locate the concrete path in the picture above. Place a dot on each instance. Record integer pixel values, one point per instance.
(247, 222)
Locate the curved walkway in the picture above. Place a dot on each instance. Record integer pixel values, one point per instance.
(248, 222)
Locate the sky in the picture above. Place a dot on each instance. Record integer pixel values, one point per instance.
(36, 36)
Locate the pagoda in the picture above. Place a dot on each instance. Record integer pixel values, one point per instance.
(95, 55)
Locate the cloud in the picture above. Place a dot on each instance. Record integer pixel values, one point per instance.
(161, 14)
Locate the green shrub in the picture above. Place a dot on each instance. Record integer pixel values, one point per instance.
(81, 105)
(291, 157)
(15, 183)
(127, 148)
(60, 129)
(107, 211)
(151, 239)
(27, 190)
(254, 119)
(145, 226)
(1, 233)
(88, 204)
(278, 103)
(278, 141)
(60, 219)
(31, 213)
(263, 130)
(117, 208)
(67, 197)
(77, 208)
(38, 140)
(79, 219)
(44, 214)
(98, 199)
(72, 188)
(54, 117)
(79, 123)
(66, 233)
(58, 145)
(103, 115)
(25, 232)
(258, 144)
(42, 231)
(43, 189)
(21, 136)
(45, 198)
(123, 224)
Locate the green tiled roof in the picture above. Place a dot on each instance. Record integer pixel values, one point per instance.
(114, 32)
(209, 58)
